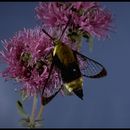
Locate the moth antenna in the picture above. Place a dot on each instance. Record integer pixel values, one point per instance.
(65, 27)
(48, 35)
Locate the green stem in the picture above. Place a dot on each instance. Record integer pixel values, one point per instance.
(32, 117)
(39, 116)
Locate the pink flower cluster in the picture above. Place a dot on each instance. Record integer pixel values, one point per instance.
(86, 16)
(25, 55)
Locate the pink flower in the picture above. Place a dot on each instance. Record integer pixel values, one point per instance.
(25, 56)
(85, 16)
(52, 14)
(97, 22)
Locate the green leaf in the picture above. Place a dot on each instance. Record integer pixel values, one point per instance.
(21, 110)
(24, 122)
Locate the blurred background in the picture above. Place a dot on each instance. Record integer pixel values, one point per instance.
(106, 101)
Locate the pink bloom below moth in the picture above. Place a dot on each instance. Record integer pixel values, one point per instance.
(86, 16)
(25, 56)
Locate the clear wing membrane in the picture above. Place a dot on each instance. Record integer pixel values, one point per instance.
(46, 99)
(91, 68)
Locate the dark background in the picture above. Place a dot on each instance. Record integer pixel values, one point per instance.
(106, 101)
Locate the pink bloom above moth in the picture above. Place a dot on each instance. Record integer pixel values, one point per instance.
(87, 17)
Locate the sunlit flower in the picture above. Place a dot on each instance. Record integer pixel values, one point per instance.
(87, 17)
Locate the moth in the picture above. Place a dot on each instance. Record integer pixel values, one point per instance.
(66, 62)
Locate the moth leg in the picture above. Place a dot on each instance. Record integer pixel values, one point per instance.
(51, 68)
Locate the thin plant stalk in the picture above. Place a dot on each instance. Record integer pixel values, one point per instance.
(32, 117)
(39, 116)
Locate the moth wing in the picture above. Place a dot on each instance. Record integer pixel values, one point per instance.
(89, 67)
(52, 88)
